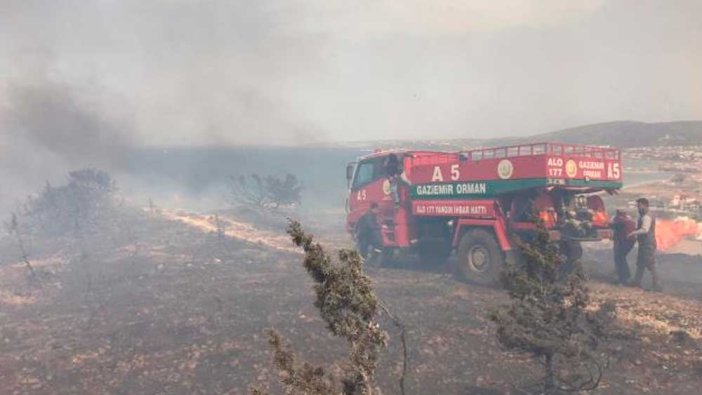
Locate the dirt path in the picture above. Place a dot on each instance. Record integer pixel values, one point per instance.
(236, 229)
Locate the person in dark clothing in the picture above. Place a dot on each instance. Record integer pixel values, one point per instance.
(368, 231)
(622, 225)
(645, 235)
(396, 176)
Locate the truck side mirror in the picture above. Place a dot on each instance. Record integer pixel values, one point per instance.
(349, 171)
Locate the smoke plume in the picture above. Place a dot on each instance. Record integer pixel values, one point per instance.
(52, 127)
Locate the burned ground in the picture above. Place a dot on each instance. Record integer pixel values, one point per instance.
(163, 304)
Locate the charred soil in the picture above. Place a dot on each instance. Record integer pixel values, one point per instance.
(167, 305)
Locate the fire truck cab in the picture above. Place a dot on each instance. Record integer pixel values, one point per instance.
(479, 202)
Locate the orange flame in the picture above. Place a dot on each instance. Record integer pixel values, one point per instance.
(671, 232)
(600, 218)
(548, 218)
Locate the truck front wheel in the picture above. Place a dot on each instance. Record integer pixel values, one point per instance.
(480, 258)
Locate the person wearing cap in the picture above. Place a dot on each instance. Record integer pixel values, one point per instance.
(645, 235)
(622, 224)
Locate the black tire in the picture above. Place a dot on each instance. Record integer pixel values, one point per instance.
(480, 258)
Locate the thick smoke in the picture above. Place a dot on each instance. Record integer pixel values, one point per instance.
(49, 128)
(292, 71)
(54, 118)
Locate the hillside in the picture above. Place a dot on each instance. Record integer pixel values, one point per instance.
(627, 134)
(623, 134)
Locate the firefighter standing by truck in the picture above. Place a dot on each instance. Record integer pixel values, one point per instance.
(645, 235)
(368, 231)
(622, 225)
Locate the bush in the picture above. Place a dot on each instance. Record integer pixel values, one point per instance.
(82, 204)
(548, 319)
(350, 308)
(269, 192)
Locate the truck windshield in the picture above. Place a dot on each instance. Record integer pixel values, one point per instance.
(367, 172)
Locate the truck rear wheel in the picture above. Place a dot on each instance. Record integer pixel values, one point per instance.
(480, 258)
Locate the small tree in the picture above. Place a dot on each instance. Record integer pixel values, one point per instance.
(548, 318)
(13, 229)
(269, 192)
(82, 202)
(348, 305)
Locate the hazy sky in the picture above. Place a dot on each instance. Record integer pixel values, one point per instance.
(286, 71)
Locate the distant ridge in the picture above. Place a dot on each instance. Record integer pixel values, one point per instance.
(621, 134)
(628, 134)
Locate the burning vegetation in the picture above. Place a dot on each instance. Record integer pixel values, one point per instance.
(671, 232)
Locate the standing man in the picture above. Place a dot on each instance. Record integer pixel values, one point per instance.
(622, 225)
(368, 231)
(645, 234)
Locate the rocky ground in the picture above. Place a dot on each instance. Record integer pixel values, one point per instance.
(166, 305)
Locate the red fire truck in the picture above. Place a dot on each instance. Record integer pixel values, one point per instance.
(478, 202)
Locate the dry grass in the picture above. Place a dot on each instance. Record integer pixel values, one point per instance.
(185, 315)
